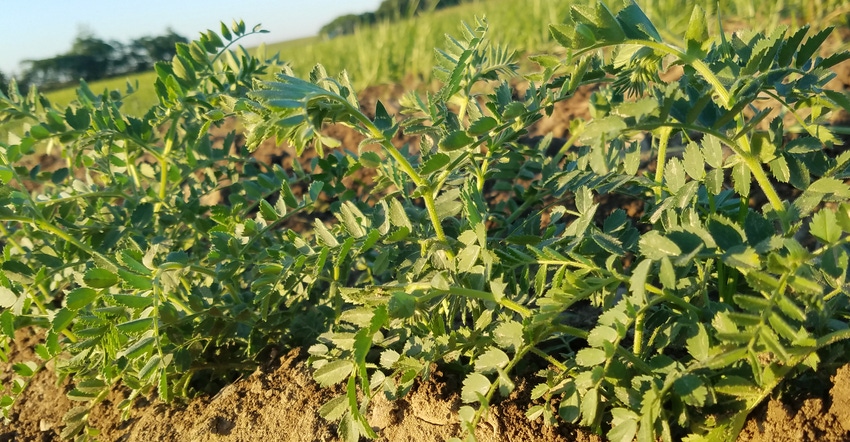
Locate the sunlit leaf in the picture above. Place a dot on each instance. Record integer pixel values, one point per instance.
(333, 372)
(475, 385)
(491, 360)
(825, 226)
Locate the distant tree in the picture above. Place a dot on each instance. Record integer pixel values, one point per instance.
(397, 9)
(44, 72)
(92, 58)
(4, 83)
(158, 48)
(347, 24)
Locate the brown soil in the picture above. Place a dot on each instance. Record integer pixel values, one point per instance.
(805, 416)
(279, 402)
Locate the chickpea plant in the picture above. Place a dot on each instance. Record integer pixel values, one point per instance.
(132, 277)
(476, 248)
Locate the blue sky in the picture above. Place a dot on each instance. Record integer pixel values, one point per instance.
(37, 29)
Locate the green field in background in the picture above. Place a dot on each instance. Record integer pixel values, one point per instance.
(392, 52)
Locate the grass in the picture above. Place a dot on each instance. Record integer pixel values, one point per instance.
(136, 103)
(386, 52)
(401, 51)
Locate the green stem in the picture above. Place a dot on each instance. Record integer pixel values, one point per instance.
(104, 194)
(467, 293)
(465, 102)
(112, 134)
(725, 100)
(431, 207)
(482, 172)
(765, 314)
(698, 65)
(405, 165)
(626, 354)
(704, 276)
(45, 226)
(791, 110)
(202, 270)
(762, 179)
(228, 45)
(743, 150)
(722, 283)
(556, 363)
(164, 164)
(637, 362)
(156, 337)
(780, 371)
(488, 296)
(571, 331)
(663, 141)
(28, 379)
(134, 174)
(272, 225)
(637, 345)
(196, 269)
(826, 247)
(678, 302)
(574, 136)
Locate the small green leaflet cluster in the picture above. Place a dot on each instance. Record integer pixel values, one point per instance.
(476, 249)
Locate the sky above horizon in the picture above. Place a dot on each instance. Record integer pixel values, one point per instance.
(38, 29)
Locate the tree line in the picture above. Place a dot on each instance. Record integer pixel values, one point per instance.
(92, 58)
(389, 10)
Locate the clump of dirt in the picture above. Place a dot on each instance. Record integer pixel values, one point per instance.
(430, 413)
(267, 405)
(821, 419)
(37, 416)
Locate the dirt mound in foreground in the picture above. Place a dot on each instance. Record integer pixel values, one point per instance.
(279, 402)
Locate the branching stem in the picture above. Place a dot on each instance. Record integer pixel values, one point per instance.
(392, 151)
(45, 226)
(725, 99)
